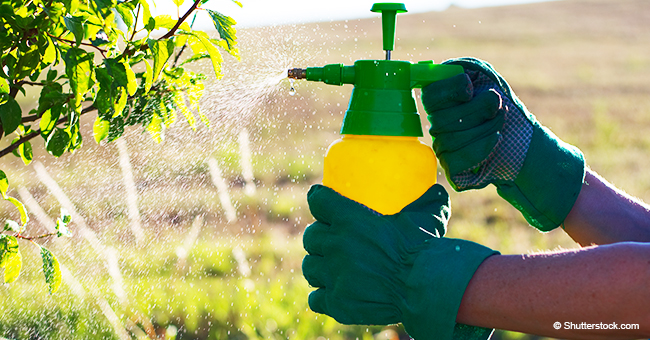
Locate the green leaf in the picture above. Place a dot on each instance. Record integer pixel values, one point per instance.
(71, 5)
(79, 69)
(13, 264)
(125, 12)
(65, 216)
(178, 3)
(238, 3)
(121, 102)
(55, 10)
(161, 50)
(49, 56)
(100, 129)
(131, 83)
(28, 62)
(165, 21)
(150, 23)
(76, 26)
(179, 101)
(52, 96)
(4, 86)
(25, 152)
(10, 257)
(24, 218)
(194, 94)
(203, 117)
(10, 114)
(4, 184)
(155, 128)
(215, 56)
(195, 57)
(62, 229)
(104, 99)
(62, 224)
(76, 140)
(51, 75)
(180, 40)
(148, 77)
(224, 25)
(51, 270)
(48, 120)
(116, 129)
(11, 225)
(58, 142)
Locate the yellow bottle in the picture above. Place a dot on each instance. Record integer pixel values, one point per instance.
(379, 162)
(385, 173)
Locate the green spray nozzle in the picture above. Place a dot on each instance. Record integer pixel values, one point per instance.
(382, 101)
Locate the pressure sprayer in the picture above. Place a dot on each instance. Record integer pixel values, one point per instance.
(379, 161)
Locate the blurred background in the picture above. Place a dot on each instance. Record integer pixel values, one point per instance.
(199, 237)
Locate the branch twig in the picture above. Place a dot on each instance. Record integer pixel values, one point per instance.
(32, 238)
(181, 20)
(36, 133)
(101, 50)
(135, 25)
(26, 82)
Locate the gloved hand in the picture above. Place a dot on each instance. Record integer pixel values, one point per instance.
(375, 269)
(484, 134)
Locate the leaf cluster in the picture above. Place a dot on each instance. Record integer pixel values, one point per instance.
(111, 57)
(10, 257)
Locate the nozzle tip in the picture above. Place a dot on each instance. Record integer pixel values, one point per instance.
(297, 73)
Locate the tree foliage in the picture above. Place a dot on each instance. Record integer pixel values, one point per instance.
(110, 57)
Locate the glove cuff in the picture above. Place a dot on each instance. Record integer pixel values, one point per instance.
(549, 181)
(436, 288)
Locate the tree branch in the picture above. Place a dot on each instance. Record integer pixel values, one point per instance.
(102, 51)
(32, 238)
(36, 133)
(31, 118)
(25, 82)
(135, 25)
(181, 20)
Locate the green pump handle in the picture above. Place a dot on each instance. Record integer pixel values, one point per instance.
(388, 17)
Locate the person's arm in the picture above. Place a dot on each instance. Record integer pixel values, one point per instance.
(529, 293)
(604, 214)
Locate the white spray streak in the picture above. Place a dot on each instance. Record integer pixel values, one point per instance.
(246, 162)
(131, 193)
(114, 272)
(222, 190)
(82, 226)
(77, 219)
(35, 208)
(242, 263)
(68, 278)
(113, 319)
(184, 250)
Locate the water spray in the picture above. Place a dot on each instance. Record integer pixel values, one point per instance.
(379, 161)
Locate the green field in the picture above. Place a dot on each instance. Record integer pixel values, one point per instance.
(581, 66)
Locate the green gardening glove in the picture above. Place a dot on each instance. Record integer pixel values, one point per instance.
(484, 134)
(374, 269)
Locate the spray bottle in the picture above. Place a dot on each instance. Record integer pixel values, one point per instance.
(379, 161)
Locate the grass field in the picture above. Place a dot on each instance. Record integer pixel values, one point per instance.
(581, 66)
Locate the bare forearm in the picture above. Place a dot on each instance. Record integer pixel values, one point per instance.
(603, 214)
(530, 293)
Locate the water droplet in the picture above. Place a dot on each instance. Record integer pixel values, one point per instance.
(292, 90)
